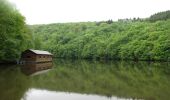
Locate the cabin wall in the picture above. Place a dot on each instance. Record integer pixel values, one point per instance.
(29, 57)
(43, 58)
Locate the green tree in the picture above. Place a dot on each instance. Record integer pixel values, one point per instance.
(14, 34)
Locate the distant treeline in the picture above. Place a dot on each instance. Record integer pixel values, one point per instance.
(160, 16)
(130, 39)
(126, 39)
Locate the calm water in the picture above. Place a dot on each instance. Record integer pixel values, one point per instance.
(86, 80)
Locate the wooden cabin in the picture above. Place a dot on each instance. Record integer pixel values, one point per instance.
(36, 56)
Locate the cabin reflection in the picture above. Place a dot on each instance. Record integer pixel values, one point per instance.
(36, 68)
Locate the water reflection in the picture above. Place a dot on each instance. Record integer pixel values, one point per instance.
(138, 80)
(13, 84)
(38, 94)
(86, 80)
(36, 68)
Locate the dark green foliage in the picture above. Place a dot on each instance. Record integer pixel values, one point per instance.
(14, 34)
(133, 40)
(160, 16)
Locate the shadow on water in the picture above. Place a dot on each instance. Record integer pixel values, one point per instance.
(135, 80)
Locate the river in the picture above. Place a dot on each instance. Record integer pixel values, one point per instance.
(87, 80)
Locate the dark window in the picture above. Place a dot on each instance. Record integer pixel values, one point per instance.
(28, 56)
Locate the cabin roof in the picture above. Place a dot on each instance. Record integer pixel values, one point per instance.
(40, 52)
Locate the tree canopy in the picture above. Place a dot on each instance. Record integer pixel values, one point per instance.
(14, 33)
(126, 39)
(160, 16)
(133, 40)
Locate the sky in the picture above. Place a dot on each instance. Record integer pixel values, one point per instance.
(63, 11)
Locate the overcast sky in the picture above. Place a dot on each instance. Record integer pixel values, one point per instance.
(61, 11)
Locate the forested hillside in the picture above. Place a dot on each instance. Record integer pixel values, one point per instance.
(128, 40)
(125, 39)
(160, 16)
(14, 33)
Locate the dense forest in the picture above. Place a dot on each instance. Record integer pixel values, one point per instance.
(160, 16)
(125, 39)
(14, 33)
